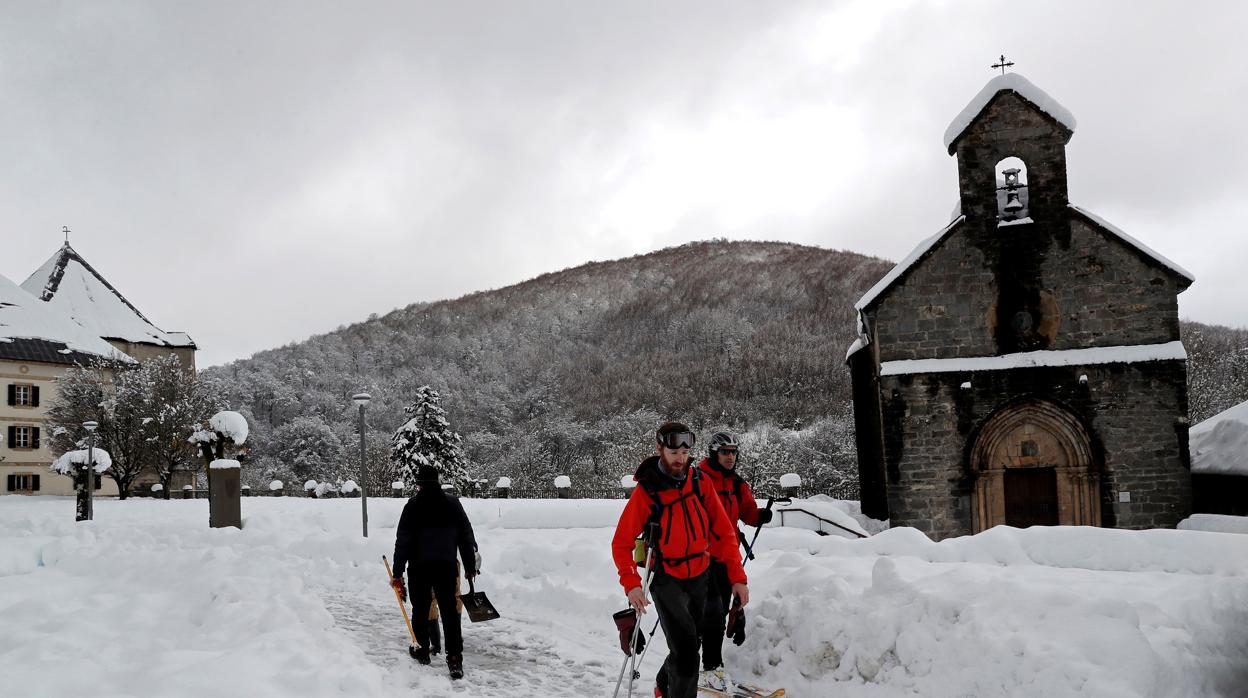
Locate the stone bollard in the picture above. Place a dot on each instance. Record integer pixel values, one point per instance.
(246, 490)
(789, 484)
(188, 492)
(277, 488)
(502, 489)
(563, 485)
(157, 489)
(396, 488)
(224, 507)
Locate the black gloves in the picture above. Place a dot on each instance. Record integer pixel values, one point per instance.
(764, 516)
(736, 625)
(626, 622)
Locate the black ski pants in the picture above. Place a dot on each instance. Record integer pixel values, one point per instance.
(714, 615)
(439, 580)
(679, 603)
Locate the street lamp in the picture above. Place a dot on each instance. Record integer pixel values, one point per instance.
(89, 480)
(362, 399)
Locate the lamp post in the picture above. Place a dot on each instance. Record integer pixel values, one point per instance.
(362, 399)
(89, 480)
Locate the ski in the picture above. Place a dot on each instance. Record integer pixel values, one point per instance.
(741, 692)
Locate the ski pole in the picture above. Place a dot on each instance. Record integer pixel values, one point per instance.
(645, 585)
(406, 621)
(749, 547)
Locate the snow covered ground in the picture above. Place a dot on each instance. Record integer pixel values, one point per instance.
(148, 601)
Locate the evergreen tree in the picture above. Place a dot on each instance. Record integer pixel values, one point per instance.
(426, 439)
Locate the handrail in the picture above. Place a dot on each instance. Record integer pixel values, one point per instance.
(820, 518)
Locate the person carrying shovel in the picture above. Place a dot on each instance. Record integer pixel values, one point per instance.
(719, 469)
(432, 529)
(692, 531)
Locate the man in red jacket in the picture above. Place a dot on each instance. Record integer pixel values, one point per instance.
(693, 529)
(719, 470)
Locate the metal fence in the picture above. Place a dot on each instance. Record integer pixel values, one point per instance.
(845, 490)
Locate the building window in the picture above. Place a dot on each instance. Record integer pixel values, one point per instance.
(23, 482)
(23, 437)
(23, 395)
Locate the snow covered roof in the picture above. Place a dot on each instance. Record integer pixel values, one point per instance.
(1148, 251)
(1010, 82)
(904, 265)
(1219, 445)
(1167, 351)
(67, 282)
(34, 331)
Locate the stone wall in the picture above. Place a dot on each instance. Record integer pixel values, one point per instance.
(1103, 293)
(1133, 413)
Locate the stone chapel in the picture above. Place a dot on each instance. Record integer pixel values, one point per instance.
(1023, 365)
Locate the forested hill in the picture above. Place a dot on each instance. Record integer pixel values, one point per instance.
(567, 373)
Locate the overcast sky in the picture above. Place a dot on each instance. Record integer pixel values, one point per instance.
(254, 173)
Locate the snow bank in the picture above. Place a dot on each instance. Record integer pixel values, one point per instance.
(296, 603)
(1217, 523)
(1219, 445)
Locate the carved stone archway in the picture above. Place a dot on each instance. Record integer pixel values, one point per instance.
(1033, 465)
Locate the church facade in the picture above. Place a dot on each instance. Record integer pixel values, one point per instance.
(1022, 366)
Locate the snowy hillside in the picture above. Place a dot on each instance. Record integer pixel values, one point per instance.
(147, 601)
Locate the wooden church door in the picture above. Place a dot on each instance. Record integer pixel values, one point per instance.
(1031, 497)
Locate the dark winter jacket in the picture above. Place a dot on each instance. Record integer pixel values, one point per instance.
(734, 492)
(692, 522)
(434, 527)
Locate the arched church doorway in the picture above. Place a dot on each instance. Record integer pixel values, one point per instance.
(1033, 467)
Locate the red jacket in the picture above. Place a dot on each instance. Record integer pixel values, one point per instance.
(734, 493)
(693, 528)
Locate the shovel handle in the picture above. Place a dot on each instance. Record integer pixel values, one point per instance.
(402, 607)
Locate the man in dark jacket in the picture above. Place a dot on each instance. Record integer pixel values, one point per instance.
(719, 469)
(693, 530)
(432, 529)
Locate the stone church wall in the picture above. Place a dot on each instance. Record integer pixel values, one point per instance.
(1105, 294)
(1129, 411)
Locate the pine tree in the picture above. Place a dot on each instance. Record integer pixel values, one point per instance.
(426, 439)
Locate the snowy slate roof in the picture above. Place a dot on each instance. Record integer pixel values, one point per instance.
(1167, 351)
(1219, 445)
(68, 283)
(1010, 82)
(904, 265)
(34, 331)
(1145, 249)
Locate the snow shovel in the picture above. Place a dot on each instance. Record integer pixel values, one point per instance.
(478, 607)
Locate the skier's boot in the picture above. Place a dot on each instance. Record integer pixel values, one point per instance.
(455, 663)
(435, 637)
(420, 654)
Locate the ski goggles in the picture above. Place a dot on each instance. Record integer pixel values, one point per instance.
(677, 439)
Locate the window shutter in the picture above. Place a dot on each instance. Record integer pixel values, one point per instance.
(12, 394)
(12, 434)
(35, 484)
(12, 483)
(34, 396)
(34, 437)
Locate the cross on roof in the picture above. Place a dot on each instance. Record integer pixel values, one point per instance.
(1003, 64)
(65, 229)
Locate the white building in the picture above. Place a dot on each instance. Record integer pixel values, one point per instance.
(64, 315)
